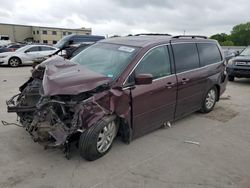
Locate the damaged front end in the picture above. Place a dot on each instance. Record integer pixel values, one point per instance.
(57, 109)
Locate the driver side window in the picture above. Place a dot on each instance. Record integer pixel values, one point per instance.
(155, 62)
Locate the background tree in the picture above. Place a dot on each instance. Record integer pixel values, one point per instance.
(223, 39)
(240, 34)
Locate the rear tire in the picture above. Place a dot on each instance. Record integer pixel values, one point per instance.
(14, 62)
(98, 139)
(231, 78)
(210, 100)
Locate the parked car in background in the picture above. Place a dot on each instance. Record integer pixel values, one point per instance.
(26, 54)
(70, 42)
(4, 40)
(229, 54)
(13, 47)
(239, 66)
(66, 50)
(127, 86)
(4, 49)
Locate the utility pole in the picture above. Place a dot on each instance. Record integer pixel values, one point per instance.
(184, 32)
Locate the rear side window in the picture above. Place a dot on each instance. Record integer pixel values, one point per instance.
(186, 57)
(82, 39)
(46, 48)
(156, 62)
(34, 49)
(209, 53)
(77, 40)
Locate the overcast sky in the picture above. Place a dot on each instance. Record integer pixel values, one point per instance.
(123, 17)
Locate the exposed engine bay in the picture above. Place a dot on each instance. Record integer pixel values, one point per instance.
(55, 114)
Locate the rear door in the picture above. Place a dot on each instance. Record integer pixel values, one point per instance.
(153, 104)
(46, 51)
(191, 81)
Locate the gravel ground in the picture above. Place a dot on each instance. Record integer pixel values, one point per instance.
(160, 159)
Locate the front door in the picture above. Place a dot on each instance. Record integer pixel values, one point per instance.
(153, 104)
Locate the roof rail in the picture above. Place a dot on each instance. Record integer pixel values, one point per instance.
(153, 34)
(189, 36)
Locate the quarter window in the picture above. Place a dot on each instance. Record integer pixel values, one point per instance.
(156, 62)
(209, 53)
(186, 57)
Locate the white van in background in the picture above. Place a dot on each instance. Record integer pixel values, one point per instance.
(4, 40)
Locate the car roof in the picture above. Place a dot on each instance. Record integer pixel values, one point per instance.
(86, 36)
(34, 45)
(143, 41)
(137, 41)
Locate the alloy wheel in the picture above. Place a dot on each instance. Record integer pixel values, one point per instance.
(106, 137)
(14, 62)
(210, 99)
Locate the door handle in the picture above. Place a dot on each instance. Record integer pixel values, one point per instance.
(184, 80)
(169, 85)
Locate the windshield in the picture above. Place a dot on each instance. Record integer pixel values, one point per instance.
(246, 52)
(62, 42)
(107, 59)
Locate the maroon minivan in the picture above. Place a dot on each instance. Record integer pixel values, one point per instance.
(125, 86)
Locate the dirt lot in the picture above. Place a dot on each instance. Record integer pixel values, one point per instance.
(159, 159)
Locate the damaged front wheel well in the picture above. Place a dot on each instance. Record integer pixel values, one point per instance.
(125, 130)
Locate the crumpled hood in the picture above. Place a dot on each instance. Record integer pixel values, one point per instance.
(63, 77)
(241, 58)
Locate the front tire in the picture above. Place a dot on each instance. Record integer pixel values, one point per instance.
(14, 62)
(210, 100)
(98, 139)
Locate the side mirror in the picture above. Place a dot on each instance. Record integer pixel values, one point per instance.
(143, 79)
(26, 51)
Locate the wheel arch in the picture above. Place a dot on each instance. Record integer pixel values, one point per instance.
(15, 57)
(125, 130)
(217, 86)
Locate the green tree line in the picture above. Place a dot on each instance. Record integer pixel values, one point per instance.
(239, 36)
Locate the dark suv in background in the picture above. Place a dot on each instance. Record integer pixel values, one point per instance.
(125, 86)
(70, 42)
(240, 65)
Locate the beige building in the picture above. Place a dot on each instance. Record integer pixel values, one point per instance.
(47, 35)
